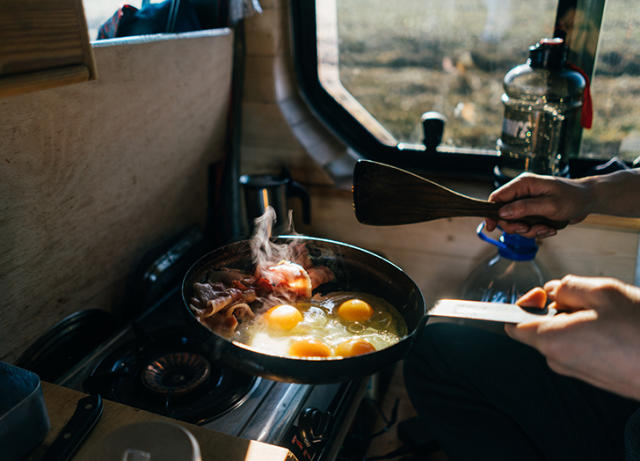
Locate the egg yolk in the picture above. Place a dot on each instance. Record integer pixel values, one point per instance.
(355, 310)
(354, 347)
(309, 348)
(283, 317)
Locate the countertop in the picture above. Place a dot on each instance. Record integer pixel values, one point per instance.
(61, 403)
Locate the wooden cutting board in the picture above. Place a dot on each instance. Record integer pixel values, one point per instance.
(61, 403)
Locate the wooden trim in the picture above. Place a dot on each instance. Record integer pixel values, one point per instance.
(43, 44)
(153, 38)
(42, 80)
(87, 50)
(613, 222)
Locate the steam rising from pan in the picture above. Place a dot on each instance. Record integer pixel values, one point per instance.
(265, 252)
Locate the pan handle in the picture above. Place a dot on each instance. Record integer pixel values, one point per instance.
(86, 416)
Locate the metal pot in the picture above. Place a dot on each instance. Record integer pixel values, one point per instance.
(356, 270)
(24, 421)
(263, 190)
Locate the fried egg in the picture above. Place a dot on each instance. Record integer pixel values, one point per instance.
(355, 310)
(283, 317)
(354, 347)
(309, 348)
(340, 324)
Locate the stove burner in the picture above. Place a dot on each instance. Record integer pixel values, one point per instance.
(176, 373)
(167, 372)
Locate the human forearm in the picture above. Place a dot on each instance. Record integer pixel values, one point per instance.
(615, 193)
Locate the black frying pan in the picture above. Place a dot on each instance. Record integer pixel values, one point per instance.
(356, 270)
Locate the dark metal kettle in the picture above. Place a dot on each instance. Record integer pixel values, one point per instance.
(263, 190)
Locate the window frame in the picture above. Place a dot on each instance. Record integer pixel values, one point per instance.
(449, 161)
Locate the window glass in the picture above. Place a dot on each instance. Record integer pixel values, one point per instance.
(616, 85)
(98, 11)
(402, 58)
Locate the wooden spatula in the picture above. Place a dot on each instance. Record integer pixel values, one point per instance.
(384, 195)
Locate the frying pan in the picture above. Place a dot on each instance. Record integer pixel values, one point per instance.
(355, 269)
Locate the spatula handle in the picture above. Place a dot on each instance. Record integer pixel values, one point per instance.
(492, 213)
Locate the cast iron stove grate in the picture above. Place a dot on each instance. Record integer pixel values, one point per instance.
(166, 372)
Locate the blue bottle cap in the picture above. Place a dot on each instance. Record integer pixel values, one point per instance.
(511, 246)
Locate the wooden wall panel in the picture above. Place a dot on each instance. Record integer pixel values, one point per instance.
(93, 174)
(274, 117)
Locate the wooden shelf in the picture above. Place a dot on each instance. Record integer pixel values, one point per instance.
(613, 222)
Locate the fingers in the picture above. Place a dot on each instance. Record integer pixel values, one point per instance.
(551, 287)
(535, 298)
(490, 224)
(525, 185)
(543, 232)
(514, 227)
(534, 206)
(532, 195)
(526, 333)
(537, 206)
(523, 229)
(515, 188)
(569, 294)
(547, 334)
(577, 293)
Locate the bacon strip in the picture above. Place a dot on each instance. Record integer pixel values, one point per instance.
(226, 322)
(226, 294)
(241, 311)
(288, 279)
(320, 275)
(214, 296)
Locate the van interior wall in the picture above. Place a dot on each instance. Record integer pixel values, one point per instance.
(278, 130)
(92, 175)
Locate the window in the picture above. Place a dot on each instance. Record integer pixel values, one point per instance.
(98, 11)
(370, 68)
(185, 15)
(616, 85)
(424, 61)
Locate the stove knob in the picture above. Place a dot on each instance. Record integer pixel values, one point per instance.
(313, 425)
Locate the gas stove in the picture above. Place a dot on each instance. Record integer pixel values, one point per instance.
(153, 363)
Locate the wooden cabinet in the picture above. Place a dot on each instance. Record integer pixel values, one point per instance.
(43, 44)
